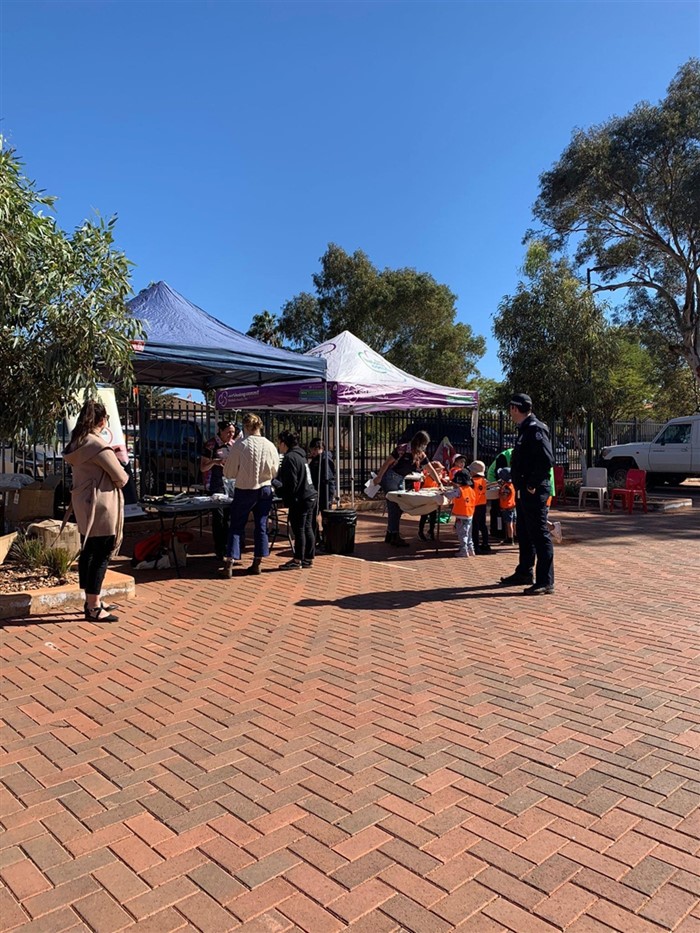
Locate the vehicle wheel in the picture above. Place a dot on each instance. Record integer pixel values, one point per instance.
(618, 477)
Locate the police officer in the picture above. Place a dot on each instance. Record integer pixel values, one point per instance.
(530, 465)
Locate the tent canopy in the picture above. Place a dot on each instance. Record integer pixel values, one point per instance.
(186, 347)
(359, 380)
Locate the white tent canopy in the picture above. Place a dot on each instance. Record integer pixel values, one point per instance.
(358, 380)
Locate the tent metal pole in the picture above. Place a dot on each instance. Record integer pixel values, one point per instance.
(475, 427)
(324, 437)
(337, 441)
(352, 460)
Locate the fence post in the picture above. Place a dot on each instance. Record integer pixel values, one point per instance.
(143, 442)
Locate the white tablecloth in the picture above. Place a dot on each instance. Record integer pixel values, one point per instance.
(418, 503)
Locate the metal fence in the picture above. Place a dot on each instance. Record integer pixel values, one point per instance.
(164, 444)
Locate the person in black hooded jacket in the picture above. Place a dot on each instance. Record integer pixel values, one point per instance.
(323, 477)
(298, 494)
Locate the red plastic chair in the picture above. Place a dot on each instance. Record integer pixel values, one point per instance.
(635, 488)
(559, 486)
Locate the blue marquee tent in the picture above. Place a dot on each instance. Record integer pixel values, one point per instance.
(186, 347)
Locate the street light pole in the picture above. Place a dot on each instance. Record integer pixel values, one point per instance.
(589, 419)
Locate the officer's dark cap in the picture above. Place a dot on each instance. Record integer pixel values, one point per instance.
(521, 401)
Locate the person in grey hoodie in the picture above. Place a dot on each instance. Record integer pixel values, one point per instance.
(299, 495)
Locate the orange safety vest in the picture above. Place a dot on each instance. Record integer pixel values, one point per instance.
(428, 481)
(480, 484)
(456, 470)
(506, 496)
(464, 506)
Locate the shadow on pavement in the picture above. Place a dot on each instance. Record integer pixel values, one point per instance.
(406, 599)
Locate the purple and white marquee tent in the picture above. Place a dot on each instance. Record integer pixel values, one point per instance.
(358, 380)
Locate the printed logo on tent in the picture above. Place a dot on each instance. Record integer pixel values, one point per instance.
(226, 398)
(376, 363)
(325, 349)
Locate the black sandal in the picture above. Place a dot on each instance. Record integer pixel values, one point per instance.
(110, 607)
(93, 615)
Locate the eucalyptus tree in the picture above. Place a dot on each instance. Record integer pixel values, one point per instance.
(406, 316)
(627, 195)
(64, 324)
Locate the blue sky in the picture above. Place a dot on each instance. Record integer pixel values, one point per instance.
(235, 140)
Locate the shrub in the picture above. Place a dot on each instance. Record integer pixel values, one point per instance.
(58, 561)
(33, 553)
(29, 552)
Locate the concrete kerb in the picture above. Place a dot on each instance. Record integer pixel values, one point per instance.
(37, 602)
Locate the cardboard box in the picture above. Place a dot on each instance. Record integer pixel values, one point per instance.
(32, 501)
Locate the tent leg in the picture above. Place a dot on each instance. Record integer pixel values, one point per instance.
(325, 438)
(475, 427)
(352, 460)
(337, 442)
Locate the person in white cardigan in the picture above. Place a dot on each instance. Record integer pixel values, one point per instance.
(253, 463)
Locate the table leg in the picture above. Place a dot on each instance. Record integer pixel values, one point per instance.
(171, 542)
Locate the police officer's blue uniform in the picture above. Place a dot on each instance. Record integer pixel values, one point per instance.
(530, 466)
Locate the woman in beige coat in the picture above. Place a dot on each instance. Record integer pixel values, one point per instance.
(97, 504)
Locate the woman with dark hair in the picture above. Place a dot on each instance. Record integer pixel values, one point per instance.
(97, 503)
(214, 455)
(404, 459)
(299, 495)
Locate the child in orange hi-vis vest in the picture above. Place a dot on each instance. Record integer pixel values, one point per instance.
(459, 462)
(506, 501)
(463, 503)
(479, 530)
(429, 483)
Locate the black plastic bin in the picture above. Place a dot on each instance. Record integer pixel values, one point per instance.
(339, 530)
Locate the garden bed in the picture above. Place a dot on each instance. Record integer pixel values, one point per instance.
(43, 598)
(17, 579)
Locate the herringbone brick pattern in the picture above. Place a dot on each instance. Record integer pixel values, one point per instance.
(377, 744)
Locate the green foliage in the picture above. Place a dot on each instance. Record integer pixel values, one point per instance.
(58, 561)
(64, 325)
(676, 393)
(628, 193)
(404, 315)
(493, 395)
(28, 552)
(265, 327)
(624, 388)
(551, 338)
(557, 344)
(34, 554)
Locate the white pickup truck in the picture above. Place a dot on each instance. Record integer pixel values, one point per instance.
(671, 457)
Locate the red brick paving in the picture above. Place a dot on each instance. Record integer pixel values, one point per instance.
(381, 743)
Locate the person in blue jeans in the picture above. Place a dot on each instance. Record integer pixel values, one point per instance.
(404, 459)
(253, 464)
